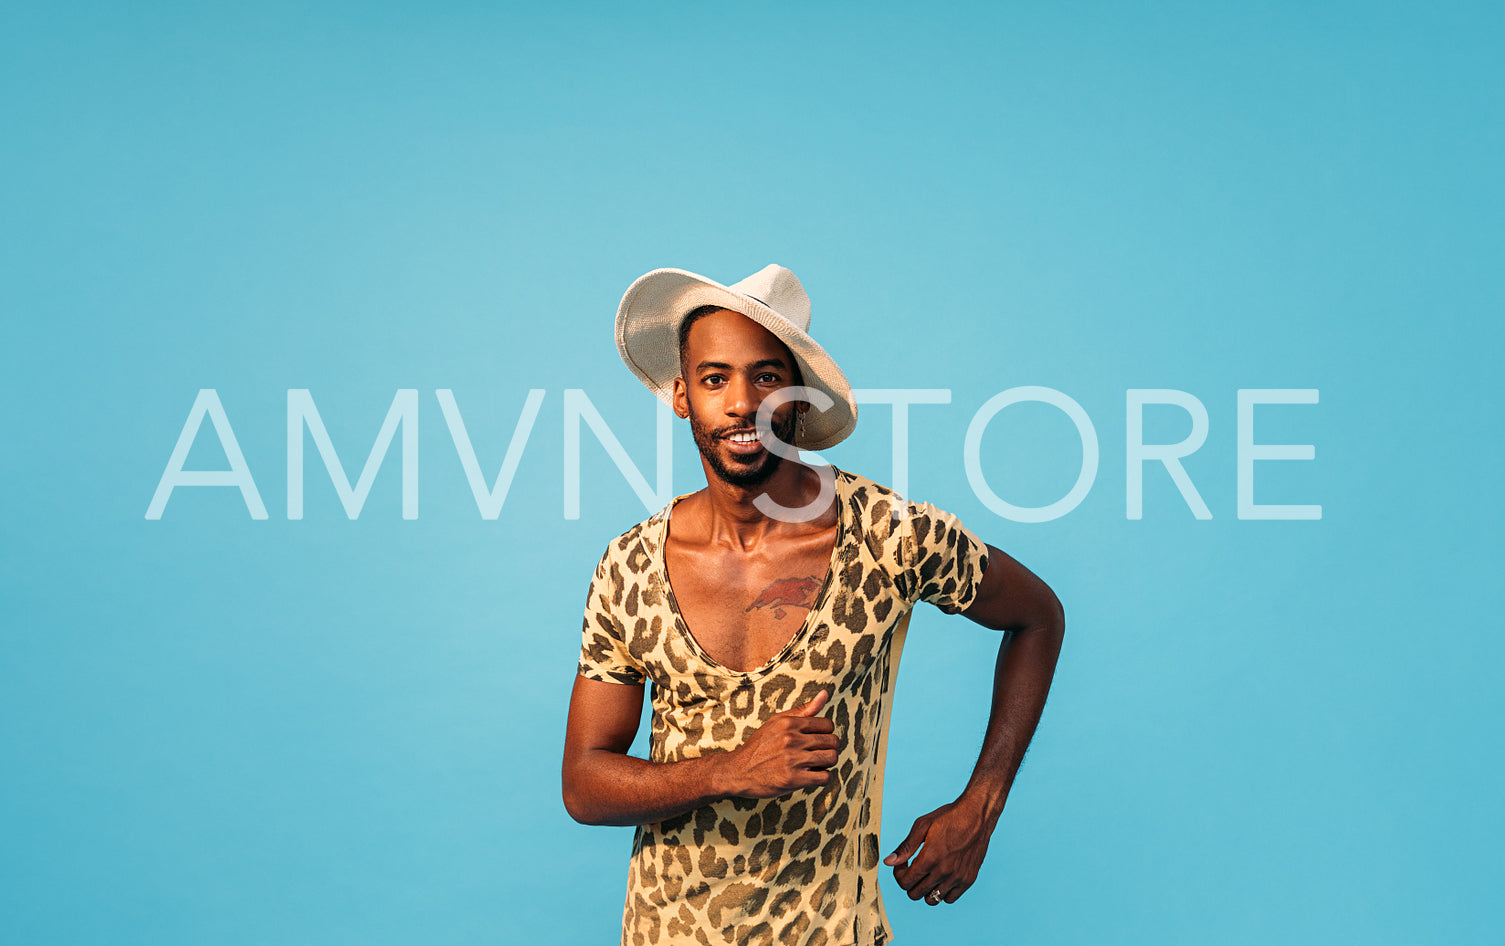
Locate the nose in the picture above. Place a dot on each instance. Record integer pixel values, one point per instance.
(740, 400)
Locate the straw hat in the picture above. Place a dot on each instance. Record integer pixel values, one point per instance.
(648, 337)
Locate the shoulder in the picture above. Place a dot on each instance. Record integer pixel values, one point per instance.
(873, 511)
(861, 492)
(631, 551)
(893, 526)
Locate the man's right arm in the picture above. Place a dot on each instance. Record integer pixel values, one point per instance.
(604, 785)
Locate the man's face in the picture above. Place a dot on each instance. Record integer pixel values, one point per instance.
(730, 364)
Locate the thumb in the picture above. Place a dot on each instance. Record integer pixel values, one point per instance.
(906, 850)
(812, 707)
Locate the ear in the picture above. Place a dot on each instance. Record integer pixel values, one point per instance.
(681, 398)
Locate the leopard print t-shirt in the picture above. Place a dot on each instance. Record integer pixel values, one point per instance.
(801, 869)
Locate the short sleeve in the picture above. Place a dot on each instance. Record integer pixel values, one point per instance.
(603, 646)
(943, 560)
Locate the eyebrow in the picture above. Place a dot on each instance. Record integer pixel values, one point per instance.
(723, 366)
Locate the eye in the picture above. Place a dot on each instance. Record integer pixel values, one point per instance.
(768, 377)
(711, 379)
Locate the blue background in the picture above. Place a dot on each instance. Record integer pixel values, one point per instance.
(219, 730)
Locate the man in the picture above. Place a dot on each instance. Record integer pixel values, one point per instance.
(768, 610)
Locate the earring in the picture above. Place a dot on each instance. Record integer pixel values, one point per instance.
(801, 431)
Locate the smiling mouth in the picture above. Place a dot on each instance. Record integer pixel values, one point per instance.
(741, 436)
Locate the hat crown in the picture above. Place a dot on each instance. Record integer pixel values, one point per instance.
(780, 290)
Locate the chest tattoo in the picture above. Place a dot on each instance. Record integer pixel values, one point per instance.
(787, 593)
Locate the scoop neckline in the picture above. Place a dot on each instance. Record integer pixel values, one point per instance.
(683, 626)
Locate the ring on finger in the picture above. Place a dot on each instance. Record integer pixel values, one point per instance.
(934, 897)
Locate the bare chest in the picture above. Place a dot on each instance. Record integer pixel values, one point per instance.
(744, 609)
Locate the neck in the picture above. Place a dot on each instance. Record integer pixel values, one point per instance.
(731, 510)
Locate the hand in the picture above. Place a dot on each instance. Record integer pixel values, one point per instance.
(791, 750)
(955, 841)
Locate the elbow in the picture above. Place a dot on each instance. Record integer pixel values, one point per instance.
(574, 804)
(1046, 622)
(1057, 623)
(580, 814)
(1054, 623)
(578, 804)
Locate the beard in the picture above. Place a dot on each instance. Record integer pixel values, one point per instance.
(736, 471)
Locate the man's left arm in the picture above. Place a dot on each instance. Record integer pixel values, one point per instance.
(952, 840)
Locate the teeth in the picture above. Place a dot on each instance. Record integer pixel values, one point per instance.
(749, 437)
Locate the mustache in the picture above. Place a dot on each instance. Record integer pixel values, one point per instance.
(725, 432)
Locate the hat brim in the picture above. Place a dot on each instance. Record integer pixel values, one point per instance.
(648, 340)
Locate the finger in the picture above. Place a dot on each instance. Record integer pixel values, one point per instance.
(819, 741)
(956, 892)
(807, 778)
(920, 876)
(910, 844)
(819, 759)
(925, 875)
(918, 883)
(947, 893)
(812, 707)
(818, 724)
